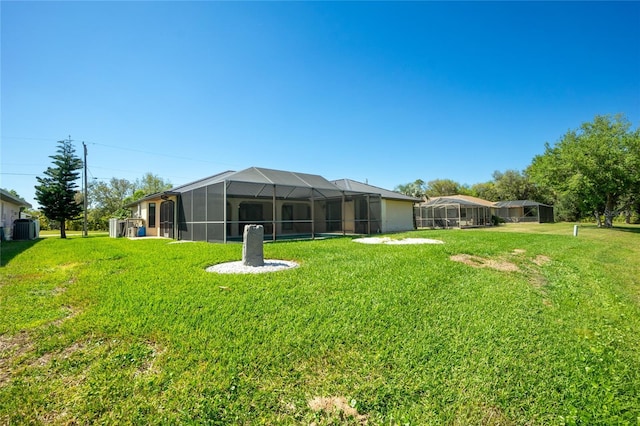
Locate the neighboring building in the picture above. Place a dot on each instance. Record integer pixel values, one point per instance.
(287, 204)
(453, 211)
(463, 211)
(11, 208)
(524, 211)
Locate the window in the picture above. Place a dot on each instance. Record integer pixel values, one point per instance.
(151, 220)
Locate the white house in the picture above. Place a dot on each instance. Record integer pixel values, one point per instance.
(11, 208)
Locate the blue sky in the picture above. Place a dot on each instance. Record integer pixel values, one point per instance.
(384, 92)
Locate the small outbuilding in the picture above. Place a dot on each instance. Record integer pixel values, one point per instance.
(524, 211)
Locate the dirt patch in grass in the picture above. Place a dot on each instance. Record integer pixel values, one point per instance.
(505, 265)
(71, 312)
(482, 415)
(67, 266)
(336, 405)
(481, 262)
(11, 348)
(148, 366)
(63, 354)
(541, 260)
(537, 280)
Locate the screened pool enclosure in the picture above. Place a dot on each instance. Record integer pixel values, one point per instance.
(524, 211)
(286, 204)
(452, 212)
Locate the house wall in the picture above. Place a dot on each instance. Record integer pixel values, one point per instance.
(516, 212)
(142, 212)
(8, 213)
(143, 209)
(155, 230)
(320, 215)
(349, 217)
(397, 216)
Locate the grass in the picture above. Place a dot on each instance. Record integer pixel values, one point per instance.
(101, 330)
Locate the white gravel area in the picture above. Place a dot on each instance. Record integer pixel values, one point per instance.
(270, 265)
(391, 241)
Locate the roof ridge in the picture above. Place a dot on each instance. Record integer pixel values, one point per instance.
(200, 180)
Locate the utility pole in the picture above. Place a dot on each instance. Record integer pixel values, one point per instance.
(85, 190)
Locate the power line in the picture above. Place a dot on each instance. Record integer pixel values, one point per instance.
(28, 138)
(19, 174)
(141, 151)
(160, 154)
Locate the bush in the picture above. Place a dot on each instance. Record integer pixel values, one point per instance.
(496, 220)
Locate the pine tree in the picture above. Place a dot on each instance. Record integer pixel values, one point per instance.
(56, 192)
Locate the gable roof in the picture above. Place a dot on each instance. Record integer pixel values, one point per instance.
(10, 198)
(353, 185)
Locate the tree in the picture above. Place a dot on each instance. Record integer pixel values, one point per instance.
(13, 192)
(596, 166)
(443, 187)
(151, 184)
(512, 185)
(108, 199)
(486, 190)
(415, 189)
(56, 192)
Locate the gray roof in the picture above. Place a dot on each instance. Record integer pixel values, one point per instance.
(220, 177)
(262, 176)
(519, 203)
(7, 196)
(260, 182)
(352, 185)
(462, 200)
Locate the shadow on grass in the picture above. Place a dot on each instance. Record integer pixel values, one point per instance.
(73, 234)
(626, 228)
(10, 249)
(617, 227)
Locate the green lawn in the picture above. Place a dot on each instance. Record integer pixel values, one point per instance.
(101, 330)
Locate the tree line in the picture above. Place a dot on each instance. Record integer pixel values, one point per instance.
(591, 172)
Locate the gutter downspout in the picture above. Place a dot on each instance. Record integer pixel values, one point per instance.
(275, 210)
(313, 216)
(224, 212)
(368, 214)
(343, 213)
